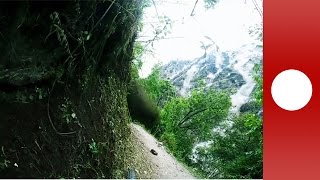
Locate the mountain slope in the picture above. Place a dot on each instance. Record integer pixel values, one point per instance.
(231, 71)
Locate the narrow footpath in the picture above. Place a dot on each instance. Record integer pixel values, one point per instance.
(164, 164)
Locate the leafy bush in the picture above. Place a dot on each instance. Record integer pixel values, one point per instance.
(237, 153)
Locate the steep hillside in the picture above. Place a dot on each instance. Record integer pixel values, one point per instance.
(231, 71)
(64, 73)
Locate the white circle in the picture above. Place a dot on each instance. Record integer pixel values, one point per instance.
(291, 90)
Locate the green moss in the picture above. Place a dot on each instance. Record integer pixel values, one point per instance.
(63, 86)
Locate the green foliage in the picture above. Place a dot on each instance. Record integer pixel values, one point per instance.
(4, 163)
(28, 96)
(190, 120)
(237, 153)
(258, 94)
(61, 35)
(41, 93)
(210, 3)
(146, 3)
(136, 65)
(160, 90)
(68, 114)
(186, 121)
(251, 107)
(93, 147)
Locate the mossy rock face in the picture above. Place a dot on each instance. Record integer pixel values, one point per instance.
(64, 75)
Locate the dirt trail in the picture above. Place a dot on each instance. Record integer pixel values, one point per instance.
(165, 165)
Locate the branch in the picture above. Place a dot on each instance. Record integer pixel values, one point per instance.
(155, 7)
(156, 36)
(102, 17)
(194, 7)
(257, 7)
(49, 117)
(190, 114)
(147, 41)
